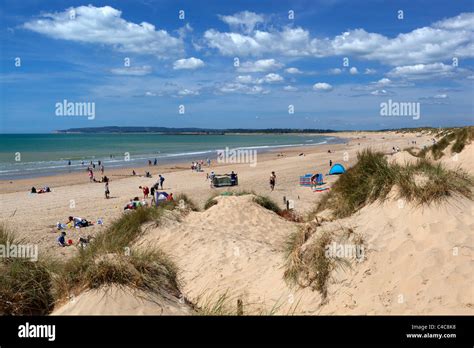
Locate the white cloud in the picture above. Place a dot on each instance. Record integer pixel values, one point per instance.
(104, 25)
(290, 88)
(185, 92)
(260, 65)
(270, 78)
(436, 99)
(369, 71)
(243, 21)
(188, 63)
(242, 88)
(381, 92)
(293, 71)
(245, 79)
(322, 86)
(353, 71)
(288, 42)
(150, 94)
(463, 21)
(426, 71)
(384, 82)
(441, 41)
(133, 70)
(335, 71)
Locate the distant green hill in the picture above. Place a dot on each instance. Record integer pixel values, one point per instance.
(188, 130)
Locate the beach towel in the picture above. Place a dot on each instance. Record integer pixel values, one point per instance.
(320, 189)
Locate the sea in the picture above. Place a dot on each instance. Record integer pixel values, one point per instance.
(36, 155)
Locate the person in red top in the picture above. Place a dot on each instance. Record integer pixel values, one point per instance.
(145, 190)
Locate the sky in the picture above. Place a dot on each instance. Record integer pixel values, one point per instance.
(235, 64)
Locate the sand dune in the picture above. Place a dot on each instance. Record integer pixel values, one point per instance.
(418, 259)
(116, 300)
(234, 247)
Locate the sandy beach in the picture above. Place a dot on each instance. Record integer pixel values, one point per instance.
(35, 216)
(407, 247)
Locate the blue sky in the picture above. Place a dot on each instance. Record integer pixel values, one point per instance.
(77, 51)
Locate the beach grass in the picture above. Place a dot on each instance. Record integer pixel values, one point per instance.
(112, 258)
(267, 203)
(25, 285)
(458, 137)
(372, 178)
(210, 202)
(310, 266)
(33, 288)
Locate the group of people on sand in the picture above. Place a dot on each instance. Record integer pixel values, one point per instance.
(40, 190)
(151, 191)
(196, 166)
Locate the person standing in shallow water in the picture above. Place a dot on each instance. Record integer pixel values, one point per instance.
(272, 181)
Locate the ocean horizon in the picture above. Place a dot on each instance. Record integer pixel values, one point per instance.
(36, 155)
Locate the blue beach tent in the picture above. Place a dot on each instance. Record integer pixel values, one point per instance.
(337, 169)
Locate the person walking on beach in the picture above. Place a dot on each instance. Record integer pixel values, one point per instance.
(272, 181)
(107, 192)
(208, 162)
(162, 180)
(102, 169)
(330, 163)
(155, 162)
(91, 175)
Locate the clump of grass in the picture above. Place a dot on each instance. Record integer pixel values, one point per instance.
(180, 201)
(438, 148)
(293, 255)
(307, 263)
(25, 285)
(110, 259)
(463, 137)
(122, 231)
(440, 183)
(310, 267)
(148, 270)
(211, 201)
(372, 178)
(267, 203)
(32, 288)
(460, 136)
(223, 305)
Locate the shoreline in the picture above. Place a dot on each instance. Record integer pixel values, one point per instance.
(122, 172)
(55, 167)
